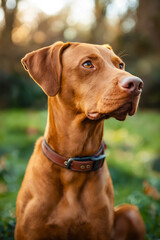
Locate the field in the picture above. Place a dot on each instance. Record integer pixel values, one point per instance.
(133, 156)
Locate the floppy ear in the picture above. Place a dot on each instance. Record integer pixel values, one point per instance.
(44, 66)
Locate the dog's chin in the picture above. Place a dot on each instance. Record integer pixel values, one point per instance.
(119, 114)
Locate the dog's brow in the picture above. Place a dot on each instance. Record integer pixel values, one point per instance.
(93, 56)
(117, 59)
(90, 57)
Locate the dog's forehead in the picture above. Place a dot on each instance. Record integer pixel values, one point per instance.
(80, 50)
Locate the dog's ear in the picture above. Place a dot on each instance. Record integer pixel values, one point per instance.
(108, 46)
(44, 66)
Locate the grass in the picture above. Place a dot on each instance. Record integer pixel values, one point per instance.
(133, 157)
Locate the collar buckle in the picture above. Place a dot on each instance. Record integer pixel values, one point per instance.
(96, 160)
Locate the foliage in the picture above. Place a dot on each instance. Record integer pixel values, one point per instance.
(133, 146)
(22, 92)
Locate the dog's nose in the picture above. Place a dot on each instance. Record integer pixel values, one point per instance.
(131, 84)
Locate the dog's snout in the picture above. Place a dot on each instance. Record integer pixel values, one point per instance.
(131, 84)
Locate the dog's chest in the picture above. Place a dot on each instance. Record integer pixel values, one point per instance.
(79, 219)
(85, 208)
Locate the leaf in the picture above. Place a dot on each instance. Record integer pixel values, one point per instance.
(32, 131)
(151, 191)
(3, 188)
(2, 162)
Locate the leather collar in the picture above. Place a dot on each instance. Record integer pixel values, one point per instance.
(79, 164)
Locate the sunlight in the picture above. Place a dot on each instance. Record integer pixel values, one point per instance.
(11, 4)
(26, 12)
(49, 7)
(117, 8)
(80, 11)
(20, 35)
(1, 15)
(2, 21)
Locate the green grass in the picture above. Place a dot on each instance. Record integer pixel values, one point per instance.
(133, 156)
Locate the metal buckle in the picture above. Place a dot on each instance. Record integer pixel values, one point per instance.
(68, 163)
(83, 159)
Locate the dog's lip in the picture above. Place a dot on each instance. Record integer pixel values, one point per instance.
(97, 116)
(120, 113)
(93, 115)
(132, 110)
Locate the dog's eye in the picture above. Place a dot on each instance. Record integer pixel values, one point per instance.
(121, 65)
(88, 64)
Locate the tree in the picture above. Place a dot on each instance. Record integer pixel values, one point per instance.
(99, 28)
(148, 21)
(6, 44)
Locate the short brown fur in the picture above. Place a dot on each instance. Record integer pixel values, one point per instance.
(58, 204)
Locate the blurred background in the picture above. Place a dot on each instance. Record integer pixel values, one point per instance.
(132, 28)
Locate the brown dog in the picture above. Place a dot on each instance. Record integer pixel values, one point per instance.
(85, 84)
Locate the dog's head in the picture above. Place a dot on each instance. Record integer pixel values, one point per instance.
(91, 79)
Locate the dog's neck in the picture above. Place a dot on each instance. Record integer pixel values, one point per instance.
(69, 133)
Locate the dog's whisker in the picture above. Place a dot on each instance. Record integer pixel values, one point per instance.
(122, 54)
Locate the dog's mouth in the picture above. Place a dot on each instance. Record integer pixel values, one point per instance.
(120, 113)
